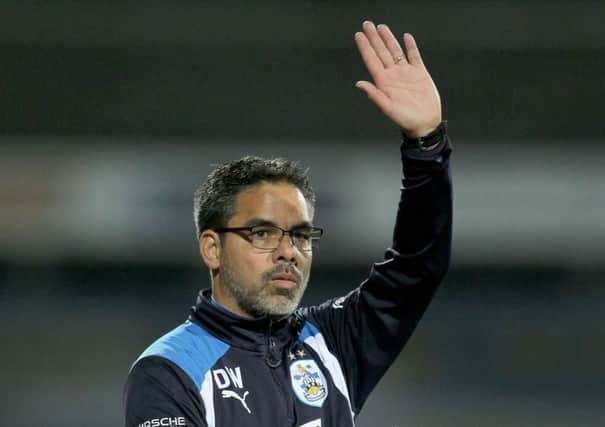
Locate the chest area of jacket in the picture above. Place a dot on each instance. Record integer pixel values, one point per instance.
(244, 390)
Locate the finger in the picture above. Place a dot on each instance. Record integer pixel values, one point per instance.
(368, 55)
(412, 50)
(376, 96)
(392, 44)
(379, 47)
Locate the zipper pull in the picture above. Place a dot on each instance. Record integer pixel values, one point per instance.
(271, 357)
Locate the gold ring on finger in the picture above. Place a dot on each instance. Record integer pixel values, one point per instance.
(399, 58)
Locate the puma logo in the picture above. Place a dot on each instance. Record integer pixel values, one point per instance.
(229, 393)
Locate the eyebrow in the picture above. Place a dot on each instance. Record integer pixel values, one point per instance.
(255, 222)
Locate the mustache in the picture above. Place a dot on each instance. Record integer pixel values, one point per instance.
(283, 269)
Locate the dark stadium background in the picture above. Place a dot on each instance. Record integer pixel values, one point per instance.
(112, 112)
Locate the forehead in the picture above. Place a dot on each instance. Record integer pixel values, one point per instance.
(281, 203)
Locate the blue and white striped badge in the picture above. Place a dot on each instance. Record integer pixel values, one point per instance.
(308, 382)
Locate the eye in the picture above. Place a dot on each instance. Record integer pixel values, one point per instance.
(259, 234)
(303, 234)
(262, 233)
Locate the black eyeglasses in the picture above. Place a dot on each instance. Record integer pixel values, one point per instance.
(270, 236)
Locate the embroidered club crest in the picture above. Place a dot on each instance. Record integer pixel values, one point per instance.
(308, 382)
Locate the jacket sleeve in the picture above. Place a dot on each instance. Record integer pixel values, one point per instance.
(157, 392)
(367, 329)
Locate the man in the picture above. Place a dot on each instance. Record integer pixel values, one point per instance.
(247, 356)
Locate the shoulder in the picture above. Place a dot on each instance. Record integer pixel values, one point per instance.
(164, 382)
(188, 347)
(332, 313)
(156, 391)
(314, 331)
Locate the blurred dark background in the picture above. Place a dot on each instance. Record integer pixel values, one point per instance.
(111, 113)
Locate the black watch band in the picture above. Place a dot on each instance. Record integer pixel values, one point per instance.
(427, 142)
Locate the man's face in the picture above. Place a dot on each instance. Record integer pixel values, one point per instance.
(258, 282)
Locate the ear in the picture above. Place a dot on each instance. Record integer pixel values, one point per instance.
(210, 249)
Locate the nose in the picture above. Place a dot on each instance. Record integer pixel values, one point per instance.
(286, 251)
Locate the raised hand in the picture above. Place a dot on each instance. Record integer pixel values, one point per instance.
(403, 88)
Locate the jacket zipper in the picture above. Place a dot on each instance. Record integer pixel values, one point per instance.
(279, 373)
(271, 357)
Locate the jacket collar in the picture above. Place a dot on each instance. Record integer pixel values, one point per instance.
(263, 334)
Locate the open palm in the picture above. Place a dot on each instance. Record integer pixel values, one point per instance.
(403, 88)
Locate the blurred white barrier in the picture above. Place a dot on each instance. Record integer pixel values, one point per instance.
(533, 203)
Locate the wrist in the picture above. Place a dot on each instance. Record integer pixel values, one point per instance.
(419, 133)
(427, 139)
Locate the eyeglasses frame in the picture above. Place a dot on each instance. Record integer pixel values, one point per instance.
(283, 233)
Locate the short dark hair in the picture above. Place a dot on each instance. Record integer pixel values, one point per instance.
(214, 199)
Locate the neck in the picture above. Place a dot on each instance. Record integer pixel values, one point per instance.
(225, 301)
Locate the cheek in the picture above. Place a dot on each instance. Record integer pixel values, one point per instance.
(252, 266)
(243, 262)
(306, 265)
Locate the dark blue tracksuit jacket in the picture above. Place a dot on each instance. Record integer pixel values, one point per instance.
(317, 366)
